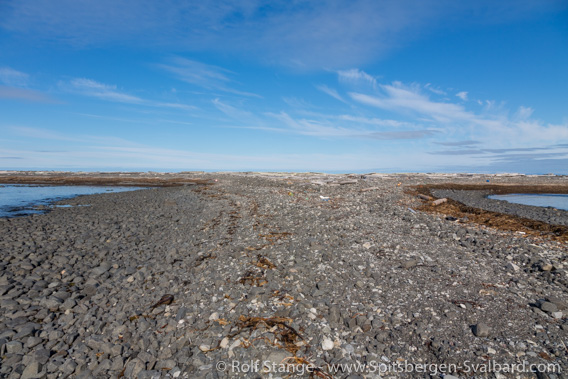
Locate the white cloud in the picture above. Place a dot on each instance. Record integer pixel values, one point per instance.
(331, 92)
(375, 121)
(107, 92)
(198, 73)
(297, 103)
(317, 128)
(203, 75)
(356, 76)
(325, 129)
(399, 98)
(232, 111)
(492, 127)
(437, 91)
(11, 77)
(403, 135)
(524, 113)
(462, 95)
(102, 91)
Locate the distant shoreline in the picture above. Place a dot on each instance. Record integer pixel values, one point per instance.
(167, 179)
(136, 179)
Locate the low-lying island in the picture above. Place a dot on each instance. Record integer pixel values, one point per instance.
(273, 272)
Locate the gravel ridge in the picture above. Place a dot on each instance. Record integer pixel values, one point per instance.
(275, 269)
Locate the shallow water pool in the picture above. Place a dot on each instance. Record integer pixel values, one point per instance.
(558, 201)
(23, 199)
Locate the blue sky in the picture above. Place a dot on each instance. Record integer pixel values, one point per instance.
(338, 86)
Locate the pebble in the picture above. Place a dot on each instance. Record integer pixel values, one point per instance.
(224, 343)
(204, 348)
(548, 307)
(410, 263)
(512, 267)
(481, 330)
(33, 370)
(327, 344)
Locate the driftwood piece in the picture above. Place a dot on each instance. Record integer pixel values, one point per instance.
(439, 201)
(369, 189)
(347, 182)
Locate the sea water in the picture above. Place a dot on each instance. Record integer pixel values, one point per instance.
(558, 201)
(23, 199)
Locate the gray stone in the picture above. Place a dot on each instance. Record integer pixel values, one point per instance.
(98, 271)
(117, 364)
(167, 364)
(275, 358)
(34, 370)
(148, 374)
(25, 330)
(134, 367)
(14, 347)
(182, 312)
(548, 307)
(68, 367)
(33, 341)
(556, 301)
(55, 335)
(42, 355)
(51, 303)
(85, 374)
(68, 304)
(334, 315)
(90, 289)
(409, 264)
(481, 330)
(512, 267)
(102, 367)
(116, 350)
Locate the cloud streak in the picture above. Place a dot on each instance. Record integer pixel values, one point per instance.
(331, 92)
(398, 98)
(13, 78)
(491, 126)
(403, 135)
(356, 76)
(102, 91)
(459, 143)
(203, 75)
(462, 95)
(107, 92)
(323, 129)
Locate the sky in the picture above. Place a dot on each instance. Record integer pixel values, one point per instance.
(332, 86)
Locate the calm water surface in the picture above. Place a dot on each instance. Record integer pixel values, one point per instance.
(553, 200)
(22, 199)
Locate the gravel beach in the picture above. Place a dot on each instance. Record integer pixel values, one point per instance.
(282, 275)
